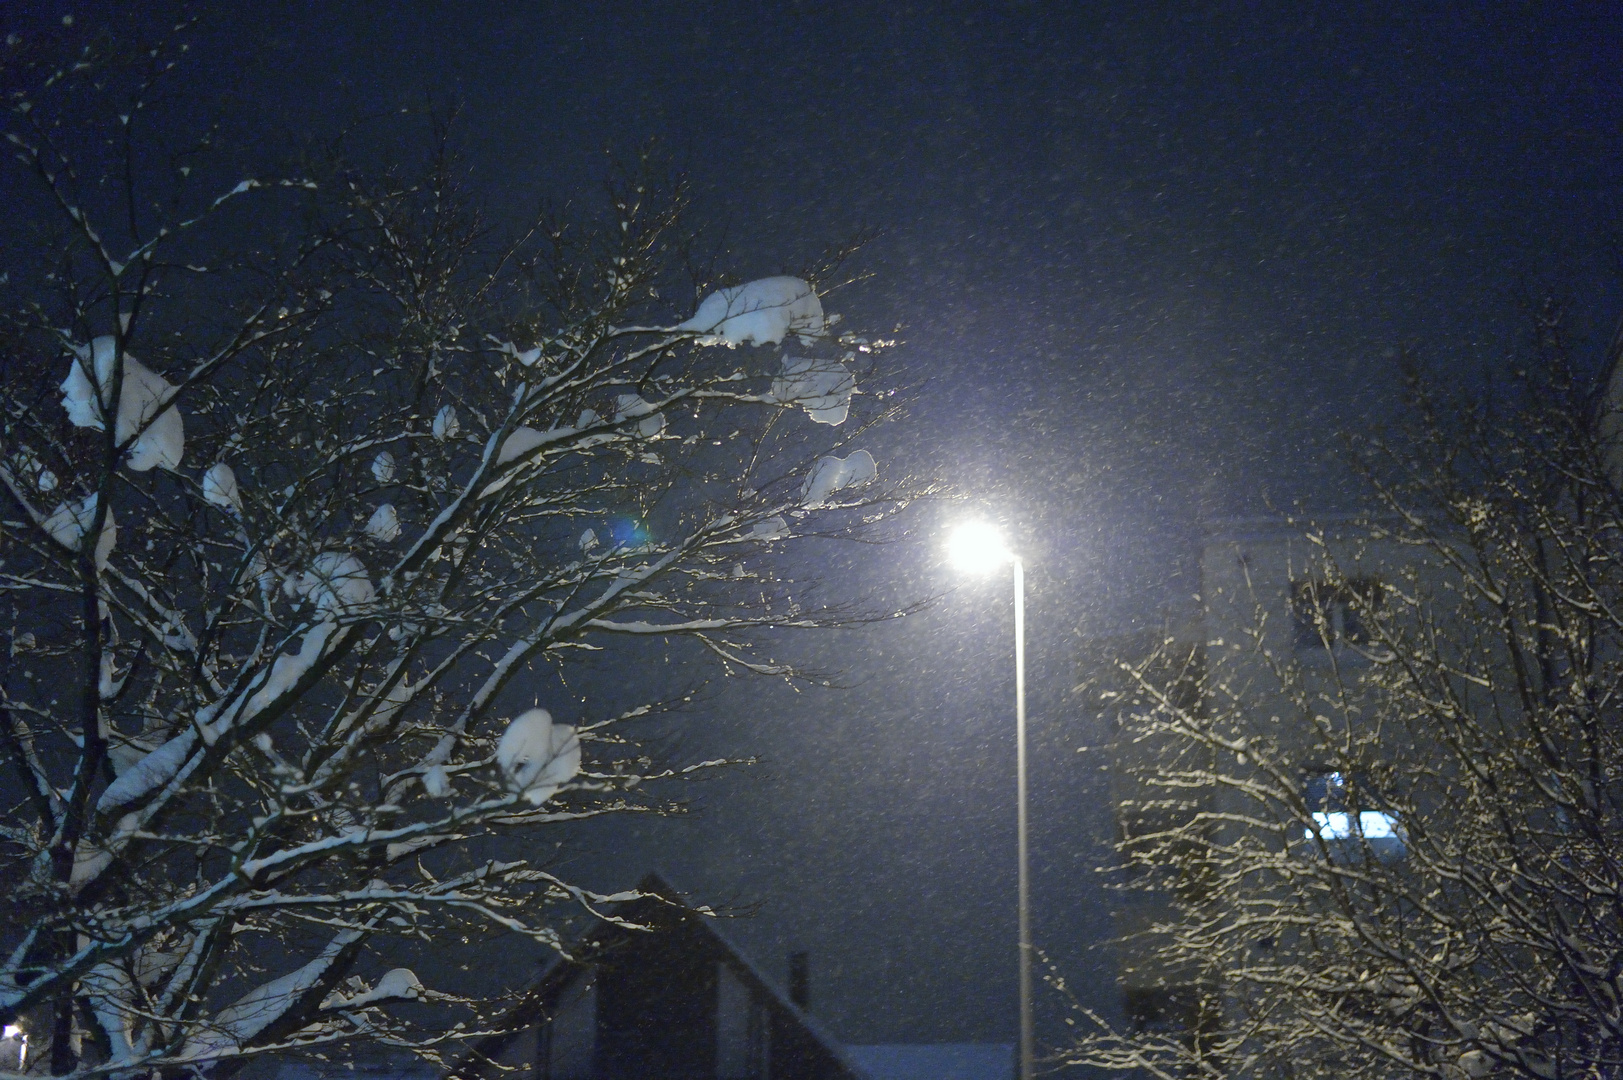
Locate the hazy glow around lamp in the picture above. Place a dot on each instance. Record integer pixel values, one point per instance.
(977, 547)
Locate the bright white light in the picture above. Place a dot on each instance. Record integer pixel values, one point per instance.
(1373, 824)
(12, 1031)
(977, 547)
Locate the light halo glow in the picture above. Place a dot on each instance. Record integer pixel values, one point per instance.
(977, 547)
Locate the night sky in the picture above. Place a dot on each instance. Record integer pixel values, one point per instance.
(1146, 259)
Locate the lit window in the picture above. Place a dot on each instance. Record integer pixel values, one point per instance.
(1372, 825)
(13, 1049)
(1335, 821)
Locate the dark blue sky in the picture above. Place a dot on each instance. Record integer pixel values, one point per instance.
(1149, 255)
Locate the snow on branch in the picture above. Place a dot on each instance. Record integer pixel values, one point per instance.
(331, 550)
(821, 385)
(153, 433)
(236, 1024)
(762, 312)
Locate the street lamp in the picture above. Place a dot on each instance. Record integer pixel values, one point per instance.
(978, 548)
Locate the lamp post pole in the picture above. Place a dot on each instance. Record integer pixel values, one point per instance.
(977, 547)
(1027, 1039)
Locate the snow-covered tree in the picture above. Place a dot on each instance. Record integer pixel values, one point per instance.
(311, 488)
(1387, 827)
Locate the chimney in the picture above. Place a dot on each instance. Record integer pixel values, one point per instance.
(800, 979)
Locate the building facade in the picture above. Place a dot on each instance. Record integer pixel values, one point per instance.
(1273, 598)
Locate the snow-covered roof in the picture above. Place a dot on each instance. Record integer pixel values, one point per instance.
(560, 972)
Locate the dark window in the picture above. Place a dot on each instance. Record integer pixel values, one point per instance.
(1334, 613)
(1187, 690)
(1188, 1010)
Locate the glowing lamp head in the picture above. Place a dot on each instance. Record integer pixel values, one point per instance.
(977, 548)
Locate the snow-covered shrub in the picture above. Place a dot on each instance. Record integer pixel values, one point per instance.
(264, 723)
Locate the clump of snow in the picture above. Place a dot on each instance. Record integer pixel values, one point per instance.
(150, 772)
(588, 540)
(383, 467)
(398, 983)
(220, 488)
(525, 357)
(24, 463)
(237, 1023)
(832, 474)
(399, 696)
(771, 529)
(163, 443)
(336, 580)
(384, 524)
(69, 522)
(822, 386)
(588, 417)
(286, 670)
(761, 312)
(537, 756)
(401, 984)
(92, 856)
(630, 406)
(521, 442)
(123, 755)
(436, 784)
(446, 425)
